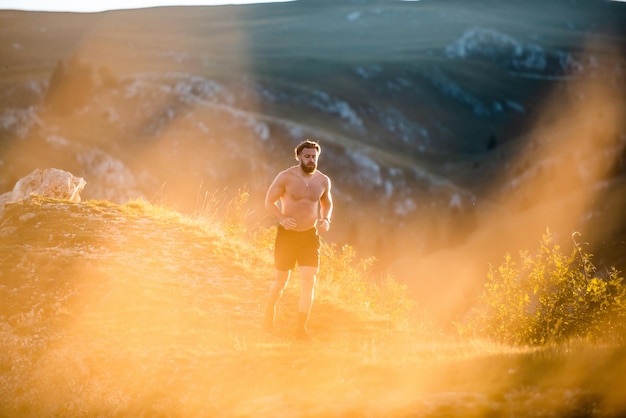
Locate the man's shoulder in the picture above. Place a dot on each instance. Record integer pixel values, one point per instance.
(324, 176)
(287, 172)
(284, 175)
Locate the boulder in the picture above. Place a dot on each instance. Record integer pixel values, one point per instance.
(50, 182)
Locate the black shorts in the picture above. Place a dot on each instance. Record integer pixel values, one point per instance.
(302, 247)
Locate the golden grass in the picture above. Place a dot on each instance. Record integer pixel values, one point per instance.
(134, 310)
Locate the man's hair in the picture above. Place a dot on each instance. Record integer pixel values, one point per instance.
(306, 144)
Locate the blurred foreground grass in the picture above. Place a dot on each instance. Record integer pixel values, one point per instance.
(135, 310)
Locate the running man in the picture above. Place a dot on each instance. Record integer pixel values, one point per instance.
(300, 199)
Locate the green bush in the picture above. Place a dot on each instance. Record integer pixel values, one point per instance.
(550, 297)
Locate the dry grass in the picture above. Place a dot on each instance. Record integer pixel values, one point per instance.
(134, 310)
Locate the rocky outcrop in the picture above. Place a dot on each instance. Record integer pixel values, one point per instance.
(50, 182)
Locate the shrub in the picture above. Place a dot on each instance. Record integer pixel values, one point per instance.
(349, 277)
(549, 297)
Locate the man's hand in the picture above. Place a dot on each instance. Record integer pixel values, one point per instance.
(288, 223)
(323, 225)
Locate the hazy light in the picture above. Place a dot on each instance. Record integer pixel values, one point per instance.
(104, 5)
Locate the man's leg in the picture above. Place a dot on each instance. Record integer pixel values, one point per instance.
(276, 291)
(307, 277)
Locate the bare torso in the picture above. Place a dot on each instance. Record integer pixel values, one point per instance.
(300, 195)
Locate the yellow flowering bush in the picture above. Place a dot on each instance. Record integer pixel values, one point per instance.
(550, 296)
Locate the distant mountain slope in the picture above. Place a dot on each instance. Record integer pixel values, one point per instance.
(427, 111)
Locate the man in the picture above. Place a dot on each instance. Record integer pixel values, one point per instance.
(300, 199)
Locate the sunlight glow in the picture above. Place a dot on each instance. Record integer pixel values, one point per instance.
(575, 121)
(104, 5)
(137, 311)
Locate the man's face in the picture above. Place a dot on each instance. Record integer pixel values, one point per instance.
(308, 160)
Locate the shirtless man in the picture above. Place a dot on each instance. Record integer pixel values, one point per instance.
(305, 208)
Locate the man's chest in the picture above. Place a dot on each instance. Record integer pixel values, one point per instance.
(310, 192)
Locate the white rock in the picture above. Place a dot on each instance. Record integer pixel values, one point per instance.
(51, 182)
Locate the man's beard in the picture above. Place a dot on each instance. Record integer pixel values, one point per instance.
(308, 169)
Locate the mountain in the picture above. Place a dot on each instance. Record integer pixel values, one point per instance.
(451, 130)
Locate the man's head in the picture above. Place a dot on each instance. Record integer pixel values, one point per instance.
(307, 153)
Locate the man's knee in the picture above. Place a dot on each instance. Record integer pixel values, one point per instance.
(281, 279)
(308, 276)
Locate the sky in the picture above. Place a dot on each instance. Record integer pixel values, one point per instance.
(102, 5)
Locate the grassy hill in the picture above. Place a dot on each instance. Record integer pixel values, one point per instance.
(136, 310)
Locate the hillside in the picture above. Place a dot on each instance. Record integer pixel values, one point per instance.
(131, 310)
(452, 130)
(136, 310)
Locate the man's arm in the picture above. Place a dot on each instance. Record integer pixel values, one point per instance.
(273, 195)
(326, 205)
